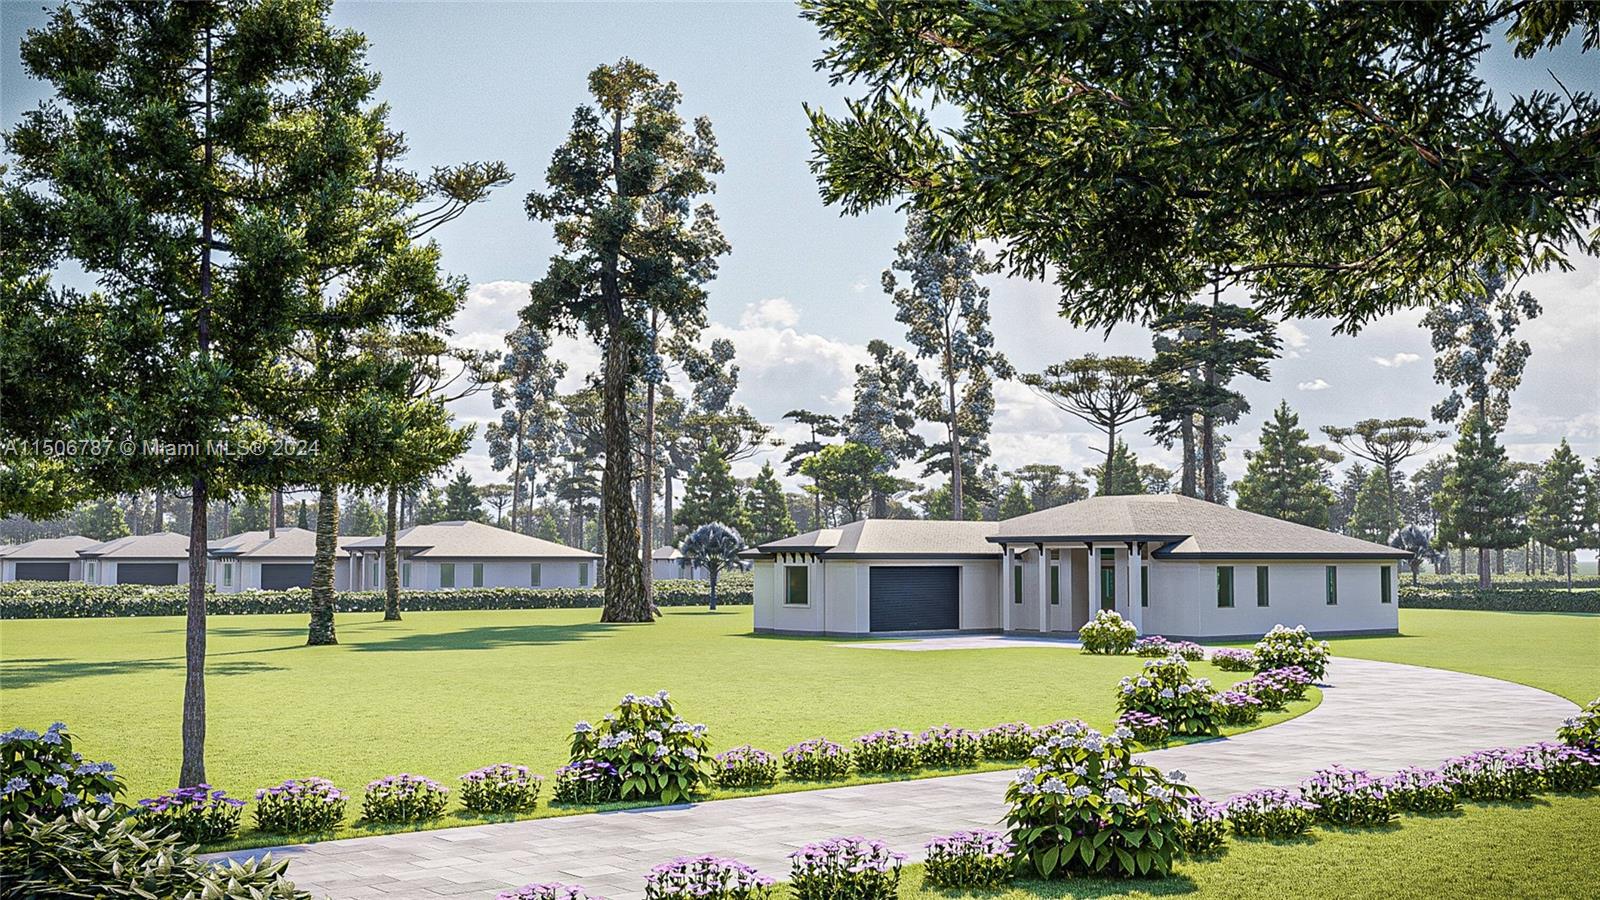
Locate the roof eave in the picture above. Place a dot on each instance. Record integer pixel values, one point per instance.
(1284, 554)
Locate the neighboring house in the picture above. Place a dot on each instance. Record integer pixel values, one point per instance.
(160, 558)
(46, 559)
(449, 555)
(254, 560)
(669, 562)
(1171, 565)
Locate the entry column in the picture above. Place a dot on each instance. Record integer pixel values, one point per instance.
(1135, 591)
(1044, 589)
(1005, 590)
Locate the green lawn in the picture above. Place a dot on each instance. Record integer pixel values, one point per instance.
(443, 693)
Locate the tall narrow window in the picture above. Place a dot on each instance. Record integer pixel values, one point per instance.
(477, 574)
(1108, 588)
(583, 574)
(405, 575)
(1261, 586)
(90, 568)
(372, 574)
(1385, 583)
(1016, 584)
(227, 574)
(1144, 586)
(534, 574)
(1224, 587)
(796, 586)
(447, 575)
(1331, 575)
(1055, 585)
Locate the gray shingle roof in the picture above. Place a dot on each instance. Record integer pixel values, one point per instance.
(291, 543)
(160, 545)
(49, 548)
(472, 540)
(893, 537)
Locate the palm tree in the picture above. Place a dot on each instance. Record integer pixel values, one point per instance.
(715, 546)
(1420, 542)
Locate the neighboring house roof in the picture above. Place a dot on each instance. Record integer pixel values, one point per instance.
(161, 545)
(50, 548)
(879, 538)
(1191, 528)
(290, 543)
(472, 540)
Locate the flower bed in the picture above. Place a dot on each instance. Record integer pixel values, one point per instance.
(1565, 768)
(1205, 826)
(1151, 731)
(657, 754)
(1277, 687)
(887, 751)
(817, 759)
(1008, 742)
(1583, 729)
(586, 782)
(40, 775)
(969, 859)
(1232, 660)
(1270, 813)
(1426, 791)
(1107, 632)
(1283, 647)
(300, 806)
(849, 868)
(746, 767)
(1235, 709)
(947, 747)
(1086, 808)
(1498, 774)
(404, 798)
(1156, 645)
(548, 890)
(197, 815)
(705, 878)
(1348, 797)
(1165, 688)
(500, 788)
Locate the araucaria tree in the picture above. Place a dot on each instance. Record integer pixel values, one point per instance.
(1387, 442)
(1557, 518)
(527, 437)
(1478, 507)
(620, 193)
(946, 314)
(885, 410)
(821, 425)
(1107, 392)
(1475, 353)
(1287, 478)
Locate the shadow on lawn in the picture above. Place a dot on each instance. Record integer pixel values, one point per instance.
(21, 673)
(488, 637)
(1171, 886)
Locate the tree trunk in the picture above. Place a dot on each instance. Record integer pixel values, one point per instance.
(321, 631)
(711, 572)
(625, 598)
(648, 487)
(1208, 436)
(391, 561)
(1416, 567)
(516, 483)
(193, 770)
(1483, 569)
(1499, 561)
(956, 504)
(160, 511)
(1111, 454)
(1187, 487)
(1569, 571)
(671, 536)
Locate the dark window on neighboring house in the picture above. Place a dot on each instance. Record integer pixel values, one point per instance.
(1385, 576)
(536, 574)
(1331, 574)
(1261, 586)
(1224, 587)
(477, 574)
(583, 574)
(405, 575)
(447, 575)
(1016, 584)
(796, 586)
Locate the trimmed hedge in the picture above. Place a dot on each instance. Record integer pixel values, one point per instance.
(1505, 600)
(75, 600)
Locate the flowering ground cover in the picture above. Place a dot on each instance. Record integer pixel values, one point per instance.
(444, 694)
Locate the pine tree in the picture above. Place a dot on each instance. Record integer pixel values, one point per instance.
(461, 500)
(1288, 477)
(1557, 516)
(711, 494)
(1344, 498)
(101, 520)
(302, 517)
(846, 475)
(768, 510)
(1015, 502)
(1371, 519)
(1479, 506)
(1123, 475)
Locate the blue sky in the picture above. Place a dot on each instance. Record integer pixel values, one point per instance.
(799, 295)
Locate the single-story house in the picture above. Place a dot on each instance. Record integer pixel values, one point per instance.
(669, 562)
(45, 559)
(449, 555)
(1171, 565)
(159, 558)
(254, 560)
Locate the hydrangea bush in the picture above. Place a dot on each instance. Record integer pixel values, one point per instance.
(848, 868)
(889, 750)
(404, 798)
(1107, 632)
(1152, 645)
(1009, 741)
(1232, 660)
(817, 759)
(1235, 708)
(548, 890)
(500, 788)
(299, 806)
(1427, 791)
(947, 747)
(1567, 769)
(1275, 688)
(1283, 647)
(657, 754)
(1583, 729)
(1270, 813)
(970, 859)
(706, 878)
(1165, 688)
(41, 775)
(1348, 797)
(1151, 731)
(587, 782)
(197, 815)
(1084, 807)
(745, 767)
(1498, 774)
(1205, 826)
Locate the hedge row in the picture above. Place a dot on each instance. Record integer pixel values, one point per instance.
(75, 600)
(1505, 600)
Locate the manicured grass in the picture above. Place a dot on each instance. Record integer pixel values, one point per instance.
(440, 694)
(1559, 652)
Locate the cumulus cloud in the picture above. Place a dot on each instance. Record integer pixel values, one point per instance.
(1397, 360)
(1316, 384)
(1295, 340)
(777, 312)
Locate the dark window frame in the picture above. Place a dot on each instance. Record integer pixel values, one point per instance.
(1263, 587)
(1225, 587)
(789, 573)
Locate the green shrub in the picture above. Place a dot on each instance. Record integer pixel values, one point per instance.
(1283, 647)
(404, 798)
(300, 806)
(1502, 600)
(656, 753)
(948, 747)
(500, 788)
(100, 853)
(198, 814)
(1583, 729)
(1107, 632)
(1164, 688)
(40, 775)
(76, 600)
(746, 767)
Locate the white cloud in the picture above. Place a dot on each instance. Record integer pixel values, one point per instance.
(1316, 384)
(777, 311)
(1397, 360)
(859, 287)
(1295, 340)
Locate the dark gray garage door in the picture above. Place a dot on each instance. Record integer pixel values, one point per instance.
(915, 598)
(147, 573)
(277, 576)
(43, 571)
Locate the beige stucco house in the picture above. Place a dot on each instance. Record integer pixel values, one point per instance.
(159, 558)
(1171, 565)
(452, 555)
(45, 559)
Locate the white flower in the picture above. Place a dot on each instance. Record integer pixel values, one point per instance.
(1117, 797)
(1080, 792)
(1166, 694)
(1176, 775)
(1184, 689)
(1053, 786)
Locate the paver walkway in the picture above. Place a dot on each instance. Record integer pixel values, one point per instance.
(1374, 715)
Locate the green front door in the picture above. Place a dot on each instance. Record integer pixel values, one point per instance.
(1108, 587)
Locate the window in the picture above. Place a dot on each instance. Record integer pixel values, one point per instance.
(89, 567)
(1055, 585)
(1261, 586)
(1224, 587)
(1108, 588)
(1384, 575)
(447, 575)
(372, 574)
(534, 575)
(1016, 584)
(227, 574)
(583, 574)
(1108, 554)
(405, 575)
(1144, 586)
(1331, 574)
(796, 586)
(477, 574)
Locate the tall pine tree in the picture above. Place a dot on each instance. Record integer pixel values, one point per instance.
(1478, 507)
(711, 494)
(1287, 478)
(1371, 518)
(767, 510)
(1557, 517)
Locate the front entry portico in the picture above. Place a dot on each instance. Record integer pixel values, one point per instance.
(1057, 586)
